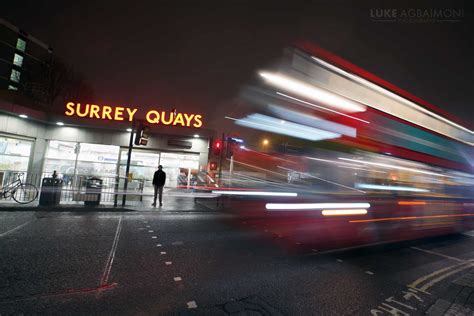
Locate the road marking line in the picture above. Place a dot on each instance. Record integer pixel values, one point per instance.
(369, 272)
(426, 277)
(159, 245)
(177, 243)
(15, 228)
(154, 237)
(148, 226)
(191, 304)
(339, 260)
(150, 231)
(469, 233)
(110, 259)
(314, 250)
(168, 263)
(444, 276)
(177, 279)
(163, 252)
(438, 254)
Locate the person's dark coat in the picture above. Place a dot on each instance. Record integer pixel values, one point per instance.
(159, 178)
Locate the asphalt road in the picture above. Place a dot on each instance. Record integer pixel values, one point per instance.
(148, 263)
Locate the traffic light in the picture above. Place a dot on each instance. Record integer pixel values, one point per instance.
(141, 137)
(217, 147)
(213, 165)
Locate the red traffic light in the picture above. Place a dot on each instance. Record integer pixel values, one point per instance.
(217, 147)
(213, 166)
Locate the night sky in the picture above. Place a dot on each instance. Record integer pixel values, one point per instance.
(196, 55)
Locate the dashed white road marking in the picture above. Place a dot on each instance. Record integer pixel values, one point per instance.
(314, 250)
(369, 272)
(163, 253)
(154, 237)
(191, 304)
(150, 231)
(15, 228)
(159, 245)
(339, 260)
(148, 226)
(177, 279)
(177, 243)
(469, 233)
(439, 254)
(168, 263)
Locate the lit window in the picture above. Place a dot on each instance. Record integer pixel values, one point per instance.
(20, 45)
(15, 75)
(18, 60)
(10, 87)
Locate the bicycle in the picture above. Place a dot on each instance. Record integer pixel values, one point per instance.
(22, 193)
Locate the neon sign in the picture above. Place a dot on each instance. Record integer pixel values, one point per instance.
(120, 113)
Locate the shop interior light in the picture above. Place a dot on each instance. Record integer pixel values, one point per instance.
(60, 123)
(23, 116)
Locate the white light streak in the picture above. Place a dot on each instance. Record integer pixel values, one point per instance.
(321, 107)
(315, 206)
(344, 212)
(394, 167)
(312, 92)
(255, 193)
(271, 124)
(389, 187)
(388, 93)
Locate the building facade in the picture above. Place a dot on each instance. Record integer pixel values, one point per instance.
(23, 59)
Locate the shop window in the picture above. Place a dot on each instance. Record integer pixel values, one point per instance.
(98, 160)
(60, 156)
(18, 60)
(15, 75)
(14, 154)
(21, 44)
(177, 167)
(69, 158)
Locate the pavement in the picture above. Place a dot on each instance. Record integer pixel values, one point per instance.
(206, 262)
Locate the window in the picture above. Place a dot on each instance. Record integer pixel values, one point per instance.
(15, 75)
(21, 44)
(14, 154)
(18, 60)
(10, 87)
(92, 159)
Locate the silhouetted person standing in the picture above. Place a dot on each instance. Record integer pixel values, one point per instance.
(159, 179)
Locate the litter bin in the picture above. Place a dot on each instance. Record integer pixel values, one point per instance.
(51, 189)
(93, 191)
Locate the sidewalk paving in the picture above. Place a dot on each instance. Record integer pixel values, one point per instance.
(170, 204)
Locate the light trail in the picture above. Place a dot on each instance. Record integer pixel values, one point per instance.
(255, 193)
(315, 206)
(344, 212)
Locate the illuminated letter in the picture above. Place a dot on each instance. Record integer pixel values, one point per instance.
(70, 107)
(106, 112)
(198, 122)
(155, 120)
(131, 114)
(163, 118)
(179, 119)
(86, 110)
(119, 113)
(188, 119)
(94, 111)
